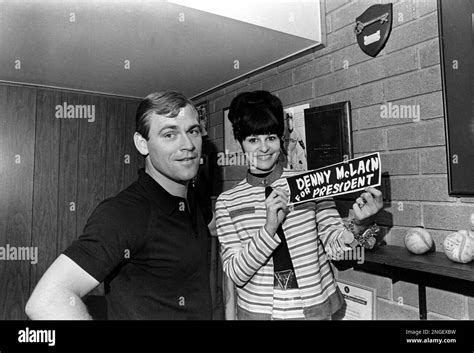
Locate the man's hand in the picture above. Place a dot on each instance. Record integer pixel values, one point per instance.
(368, 204)
(277, 209)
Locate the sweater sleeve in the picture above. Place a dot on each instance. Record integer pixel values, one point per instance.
(330, 228)
(242, 261)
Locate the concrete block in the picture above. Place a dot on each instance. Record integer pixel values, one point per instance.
(335, 4)
(278, 82)
(370, 141)
(348, 57)
(424, 7)
(405, 293)
(429, 53)
(320, 101)
(297, 93)
(438, 302)
(338, 39)
(256, 86)
(296, 62)
(363, 96)
(412, 33)
(262, 75)
(346, 15)
(424, 107)
(434, 316)
(315, 68)
(389, 65)
(420, 134)
(237, 86)
(420, 188)
(471, 307)
(337, 81)
(216, 118)
(433, 160)
(400, 213)
(388, 310)
(371, 116)
(447, 303)
(383, 285)
(223, 102)
(400, 163)
(413, 84)
(403, 12)
(447, 217)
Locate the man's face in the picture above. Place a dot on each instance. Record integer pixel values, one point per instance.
(174, 144)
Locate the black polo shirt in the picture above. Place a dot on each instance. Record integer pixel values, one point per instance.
(151, 250)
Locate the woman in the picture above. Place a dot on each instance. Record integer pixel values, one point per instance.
(279, 258)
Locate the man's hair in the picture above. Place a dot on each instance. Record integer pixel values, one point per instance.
(166, 103)
(256, 113)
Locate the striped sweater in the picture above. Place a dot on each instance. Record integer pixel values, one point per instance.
(313, 232)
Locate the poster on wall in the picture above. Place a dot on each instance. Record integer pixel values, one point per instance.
(294, 138)
(360, 301)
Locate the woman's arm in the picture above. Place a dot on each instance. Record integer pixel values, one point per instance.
(240, 262)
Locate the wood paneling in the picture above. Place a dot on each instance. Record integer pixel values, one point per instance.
(17, 136)
(67, 187)
(91, 166)
(53, 174)
(115, 147)
(136, 160)
(45, 187)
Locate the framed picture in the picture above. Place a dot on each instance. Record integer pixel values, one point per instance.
(328, 134)
(360, 301)
(203, 113)
(456, 39)
(294, 138)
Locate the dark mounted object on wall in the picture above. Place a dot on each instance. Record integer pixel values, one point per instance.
(456, 39)
(373, 28)
(328, 134)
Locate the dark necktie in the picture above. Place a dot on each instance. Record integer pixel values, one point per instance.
(281, 255)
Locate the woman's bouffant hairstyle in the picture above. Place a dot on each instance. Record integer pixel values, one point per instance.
(256, 113)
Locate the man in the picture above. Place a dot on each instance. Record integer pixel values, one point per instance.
(149, 243)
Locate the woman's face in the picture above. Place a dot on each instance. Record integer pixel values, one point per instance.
(262, 151)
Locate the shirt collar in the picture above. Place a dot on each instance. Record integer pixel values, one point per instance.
(269, 179)
(157, 194)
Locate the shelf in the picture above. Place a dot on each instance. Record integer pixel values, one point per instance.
(435, 263)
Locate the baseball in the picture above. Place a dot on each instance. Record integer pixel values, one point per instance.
(418, 241)
(459, 246)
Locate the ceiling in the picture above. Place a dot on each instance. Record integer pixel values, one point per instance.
(132, 48)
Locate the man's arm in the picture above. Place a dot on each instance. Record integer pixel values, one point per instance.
(57, 296)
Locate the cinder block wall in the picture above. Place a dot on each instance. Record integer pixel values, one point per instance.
(413, 153)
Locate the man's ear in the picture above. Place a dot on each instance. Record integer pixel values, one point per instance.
(140, 143)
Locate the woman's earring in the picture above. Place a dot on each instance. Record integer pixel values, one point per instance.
(194, 181)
